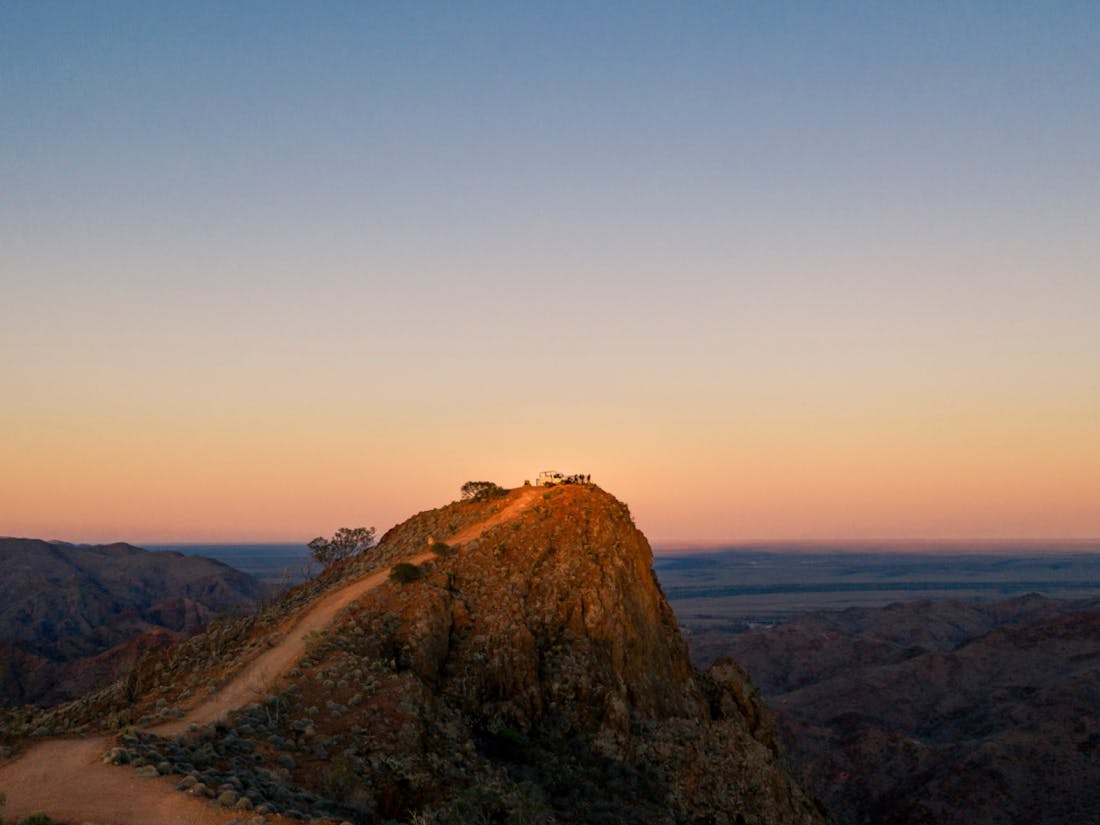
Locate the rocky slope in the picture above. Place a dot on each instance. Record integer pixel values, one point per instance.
(939, 711)
(530, 670)
(73, 618)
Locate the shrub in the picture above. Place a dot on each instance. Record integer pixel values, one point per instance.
(518, 804)
(340, 779)
(477, 804)
(510, 744)
(440, 548)
(316, 644)
(404, 572)
(482, 491)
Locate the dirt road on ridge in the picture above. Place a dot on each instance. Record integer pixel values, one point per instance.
(253, 682)
(66, 779)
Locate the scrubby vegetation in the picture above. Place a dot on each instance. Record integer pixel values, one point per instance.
(440, 548)
(404, 572)
(482, 491)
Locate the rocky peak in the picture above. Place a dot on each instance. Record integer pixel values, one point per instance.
(556, 607)
(543, 651)
(529, 669)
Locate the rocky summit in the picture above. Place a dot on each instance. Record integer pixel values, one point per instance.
(526, 669)
(542, 661)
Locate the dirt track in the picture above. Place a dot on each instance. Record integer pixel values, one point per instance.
(66, 779)
(254, 681)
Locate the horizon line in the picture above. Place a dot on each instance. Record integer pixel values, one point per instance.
(666, 545)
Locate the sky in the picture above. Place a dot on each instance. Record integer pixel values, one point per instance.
(769, 271)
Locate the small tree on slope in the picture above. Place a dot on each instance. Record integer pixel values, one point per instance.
(347, 541)
(481, 490)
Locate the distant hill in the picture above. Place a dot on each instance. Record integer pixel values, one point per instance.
(74, 617)
(940, 712)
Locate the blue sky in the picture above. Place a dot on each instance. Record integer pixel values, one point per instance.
(784, 237)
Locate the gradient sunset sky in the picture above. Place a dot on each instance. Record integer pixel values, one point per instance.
(766, 271)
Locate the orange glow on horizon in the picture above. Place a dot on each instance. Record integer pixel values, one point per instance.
(753, 478)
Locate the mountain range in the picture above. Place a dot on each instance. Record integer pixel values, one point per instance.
(74, 617)
(939, 711)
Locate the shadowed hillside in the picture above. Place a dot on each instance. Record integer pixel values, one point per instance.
(940, 712)
(73, 618)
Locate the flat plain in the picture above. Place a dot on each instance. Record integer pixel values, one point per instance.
(734, 589)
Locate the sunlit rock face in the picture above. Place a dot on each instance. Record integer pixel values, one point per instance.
(539, 668)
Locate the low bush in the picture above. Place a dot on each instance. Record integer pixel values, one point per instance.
(404, 572)
(317, 644)
(340, 779)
